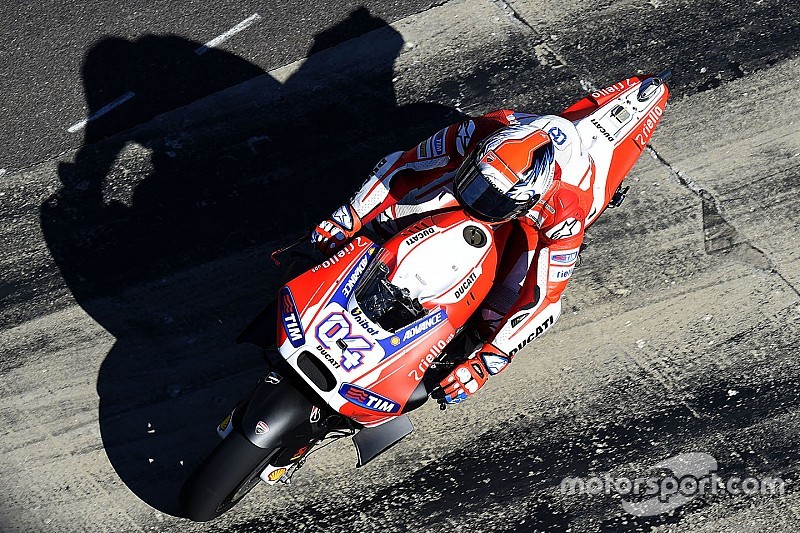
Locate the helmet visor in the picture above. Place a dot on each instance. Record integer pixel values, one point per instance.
(481, 198)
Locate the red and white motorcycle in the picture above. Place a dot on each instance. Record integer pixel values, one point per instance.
(363, 338)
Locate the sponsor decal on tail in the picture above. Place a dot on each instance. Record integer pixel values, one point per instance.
(273, 474)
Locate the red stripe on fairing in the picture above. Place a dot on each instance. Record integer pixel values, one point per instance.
(326, 298)
(384, 378)
(415, 246)
(588, 174)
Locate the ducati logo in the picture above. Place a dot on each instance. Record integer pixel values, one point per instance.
(466, 285)
(261, 428)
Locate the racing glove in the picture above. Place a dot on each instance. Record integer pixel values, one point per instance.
(331, 234)
(468, 377)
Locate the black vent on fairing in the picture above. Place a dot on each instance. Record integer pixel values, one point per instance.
(319, 374)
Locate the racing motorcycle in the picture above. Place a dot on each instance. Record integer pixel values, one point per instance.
(359, 340)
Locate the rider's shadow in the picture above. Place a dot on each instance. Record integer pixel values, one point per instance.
(120, 229)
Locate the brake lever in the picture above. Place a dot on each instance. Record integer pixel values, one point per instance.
(274, 254)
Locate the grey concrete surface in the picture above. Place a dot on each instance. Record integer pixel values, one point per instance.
(128, 266)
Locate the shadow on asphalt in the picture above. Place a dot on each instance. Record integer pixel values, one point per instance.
(160, 387)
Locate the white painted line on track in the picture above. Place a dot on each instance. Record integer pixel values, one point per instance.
(102, 111)
(216, 41)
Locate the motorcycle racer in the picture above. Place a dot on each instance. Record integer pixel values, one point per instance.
(529, 173)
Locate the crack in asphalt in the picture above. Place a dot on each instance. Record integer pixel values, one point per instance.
(545, 54)
(685, 180)
(514, 14)
(719, 235)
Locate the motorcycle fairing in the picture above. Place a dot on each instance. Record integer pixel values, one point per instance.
(440, 269)
(374, 368)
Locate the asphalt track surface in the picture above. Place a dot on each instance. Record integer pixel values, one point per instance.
(52, 50)
(129, 263)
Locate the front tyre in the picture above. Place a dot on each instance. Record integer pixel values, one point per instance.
(224, 477)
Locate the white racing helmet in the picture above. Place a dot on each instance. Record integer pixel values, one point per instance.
(506, 174)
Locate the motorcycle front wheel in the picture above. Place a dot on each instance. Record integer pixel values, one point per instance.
(224, 477)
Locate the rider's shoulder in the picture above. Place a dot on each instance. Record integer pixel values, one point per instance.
(468, 133)
(569, 216)
(561, 213)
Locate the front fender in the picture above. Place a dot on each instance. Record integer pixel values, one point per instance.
(276, 414)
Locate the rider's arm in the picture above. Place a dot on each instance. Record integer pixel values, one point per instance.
(539, 303)
(400, 172)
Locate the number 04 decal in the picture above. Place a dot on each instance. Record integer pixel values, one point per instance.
(337, 327)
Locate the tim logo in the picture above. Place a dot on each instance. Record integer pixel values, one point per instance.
(564, 258)
(290, 318)
(337, 328)
(368, 399)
